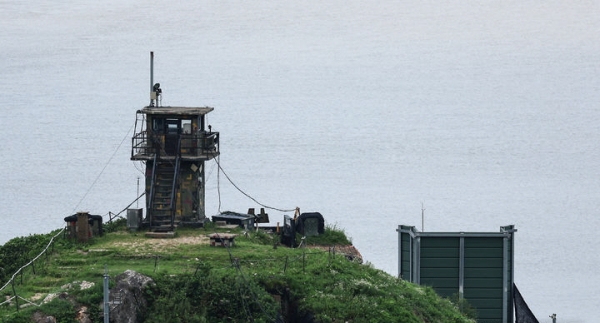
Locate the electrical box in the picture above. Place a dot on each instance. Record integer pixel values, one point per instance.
(134, 218)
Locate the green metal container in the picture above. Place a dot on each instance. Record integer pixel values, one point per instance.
(476, 266)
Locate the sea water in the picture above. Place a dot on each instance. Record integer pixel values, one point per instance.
(475, 115)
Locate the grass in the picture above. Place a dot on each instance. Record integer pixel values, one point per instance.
(213, 284)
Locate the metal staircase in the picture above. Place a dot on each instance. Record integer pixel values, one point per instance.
(163, 199)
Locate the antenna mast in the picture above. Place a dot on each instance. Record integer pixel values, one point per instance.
(155, 90)
(422, 217)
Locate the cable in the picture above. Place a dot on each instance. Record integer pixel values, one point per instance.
(130, 204)
(104, 168)
(210, 172)
(219, 181)
(138, 166)
(240, 190)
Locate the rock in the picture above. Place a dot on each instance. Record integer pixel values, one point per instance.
(83, 316)
(86, 285)
(129, 287)
(39, 317)
(82, 285)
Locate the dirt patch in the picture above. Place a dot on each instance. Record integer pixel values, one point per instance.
(146, 245)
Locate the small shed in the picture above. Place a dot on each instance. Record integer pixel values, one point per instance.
(476, 266)
(83, 225)
(134, 218)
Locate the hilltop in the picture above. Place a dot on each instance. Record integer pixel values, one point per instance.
(256, 280)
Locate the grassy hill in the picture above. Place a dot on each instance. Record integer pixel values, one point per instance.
(254, 281)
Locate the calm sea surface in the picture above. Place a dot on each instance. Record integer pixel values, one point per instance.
(486, 114)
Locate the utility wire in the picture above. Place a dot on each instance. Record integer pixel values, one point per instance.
(130, 204)
(138, 168)
(241, 191)
(104, 168)
(219, 181)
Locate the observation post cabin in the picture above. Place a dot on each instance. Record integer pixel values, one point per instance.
(174, 143)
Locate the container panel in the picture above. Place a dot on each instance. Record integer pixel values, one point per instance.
(440, 273)
(486, 304)
(483, 272)
(483, 262)
(483, 293)
(440, 242)
(438, 252)
(405, 253)
(439, 262)
(489, 316)
(484, 242)
(483, 252)
(484, 282)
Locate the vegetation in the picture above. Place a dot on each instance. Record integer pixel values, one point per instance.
(254, 281)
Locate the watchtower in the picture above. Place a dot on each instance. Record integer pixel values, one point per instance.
(174, 143)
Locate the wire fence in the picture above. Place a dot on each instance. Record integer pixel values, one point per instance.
(31, 263)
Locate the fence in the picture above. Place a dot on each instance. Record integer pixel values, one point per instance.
(31, 263)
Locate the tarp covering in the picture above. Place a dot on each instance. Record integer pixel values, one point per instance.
(235, 218)
(522, 312)
(310, 224)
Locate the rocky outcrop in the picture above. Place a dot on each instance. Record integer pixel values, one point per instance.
(127, 300)
(127, 297)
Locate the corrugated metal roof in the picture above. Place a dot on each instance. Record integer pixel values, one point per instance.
(176, 110)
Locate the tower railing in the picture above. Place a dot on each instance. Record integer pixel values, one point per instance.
(145, 145)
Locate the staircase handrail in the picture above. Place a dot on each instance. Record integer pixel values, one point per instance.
(175, 180)
(150, 200)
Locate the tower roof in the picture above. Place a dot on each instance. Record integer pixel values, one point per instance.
(190, 111)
